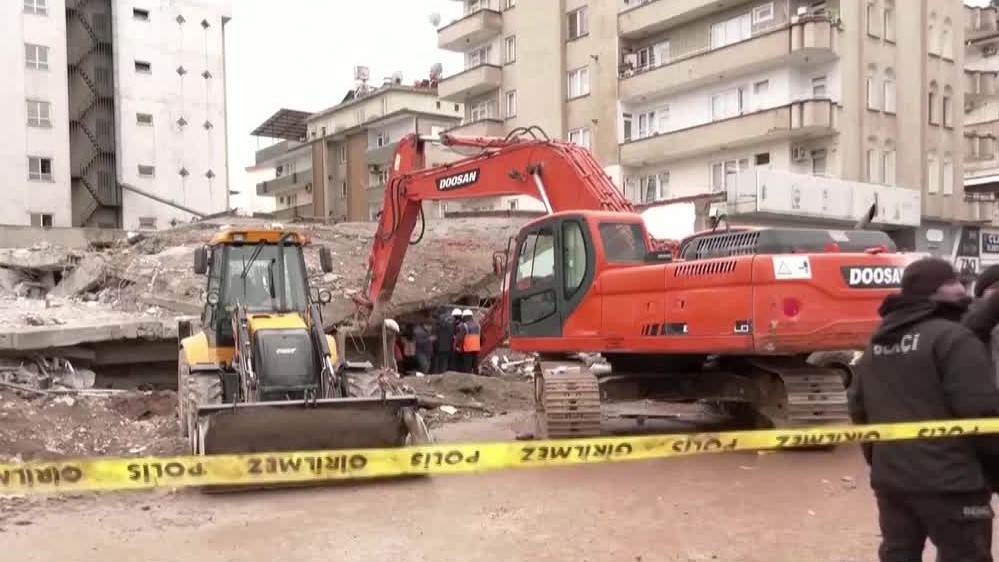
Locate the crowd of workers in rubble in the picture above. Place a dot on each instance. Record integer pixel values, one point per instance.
(935, 356)
(447, 341)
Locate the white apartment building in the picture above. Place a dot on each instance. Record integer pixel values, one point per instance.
(34, 108)
(796, 111)
(116, 98)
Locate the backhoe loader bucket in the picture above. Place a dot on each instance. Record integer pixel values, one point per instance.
(327, 424)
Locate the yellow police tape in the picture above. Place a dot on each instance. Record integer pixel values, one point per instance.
(105, 474)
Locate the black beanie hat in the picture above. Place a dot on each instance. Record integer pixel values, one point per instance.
(923, 277)
(987, 278)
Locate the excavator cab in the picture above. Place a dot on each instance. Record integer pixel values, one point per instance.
(262, 375)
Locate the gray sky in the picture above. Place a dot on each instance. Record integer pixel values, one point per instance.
(300, 54)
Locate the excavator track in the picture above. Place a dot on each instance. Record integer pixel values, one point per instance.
(567, 398)
(811, 395)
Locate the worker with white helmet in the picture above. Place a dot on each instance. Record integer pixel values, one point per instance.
(468, 341)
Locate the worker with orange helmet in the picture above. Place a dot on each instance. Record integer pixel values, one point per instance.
(468, 341)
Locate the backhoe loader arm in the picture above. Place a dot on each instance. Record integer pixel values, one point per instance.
(562, 176)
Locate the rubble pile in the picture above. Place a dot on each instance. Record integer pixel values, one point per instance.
(152, 272)
(453, 396)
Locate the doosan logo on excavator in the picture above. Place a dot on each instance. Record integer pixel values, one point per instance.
(457, 181)
(872, 277)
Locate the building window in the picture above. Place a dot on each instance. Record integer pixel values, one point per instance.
(888, 165)
(140, 14)
(626, 126)
(948, 175)
(39, 168)
(647, 188)
(889, 92)
(507, 4)
(147, 223)
(581, 137)
(36, 56)
(578, 24)
(381, 139)
(933, 174)
(37, 7)
(872, 93)
(763, 13)
(43, 220)
(478, 57)
(761, 88)
(39, 113)
(724, 174)
(819, 162)
(147, 171)
(147, 68)
(342, 156)
(727, 104)
(511, 103)
(579, 82)
(653, 55)
(873, 169)
(343, 189)
(931, 102)
(510, 50)
(872, 20)
(731, 31)
(889, 21)
(482, 110)
(819, 86)
(144, 118)
(948, 108)
(946, 41)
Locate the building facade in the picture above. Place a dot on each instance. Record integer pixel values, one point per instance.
(119, 114)
(788, 110)
(334, 164)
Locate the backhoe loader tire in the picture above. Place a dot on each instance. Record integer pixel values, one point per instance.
(201, 389)
(183, 371)
(363, 384)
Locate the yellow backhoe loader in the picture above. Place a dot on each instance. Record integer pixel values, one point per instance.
(261, 375)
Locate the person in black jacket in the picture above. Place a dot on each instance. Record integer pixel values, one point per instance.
(922, 364)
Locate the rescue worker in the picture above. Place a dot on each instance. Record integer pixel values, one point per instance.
(444, 357)
(983, 316)
(922, 364)
(470, 341)
(424, 347)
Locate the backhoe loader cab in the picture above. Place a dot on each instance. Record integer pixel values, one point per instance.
(262, 375)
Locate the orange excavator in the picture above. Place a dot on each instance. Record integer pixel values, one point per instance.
(728, 317)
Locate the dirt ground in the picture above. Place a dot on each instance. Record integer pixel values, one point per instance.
(800, 507)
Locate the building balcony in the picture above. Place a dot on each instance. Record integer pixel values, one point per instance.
(797, 120)
(979, 146)
(470, 83)
(780, 194)
(473, 29)
(285, 184)
(489, 127)
(980, 85)
(980, 23)
(639, 19)
(814, 40)
(381, 154)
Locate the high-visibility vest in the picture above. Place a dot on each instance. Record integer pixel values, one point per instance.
(472, 340)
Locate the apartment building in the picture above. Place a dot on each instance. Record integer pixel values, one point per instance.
(335, 163)
(795, 110)
(118, 117)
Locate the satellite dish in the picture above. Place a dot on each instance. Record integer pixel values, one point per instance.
(435, 19)
(436, 70)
